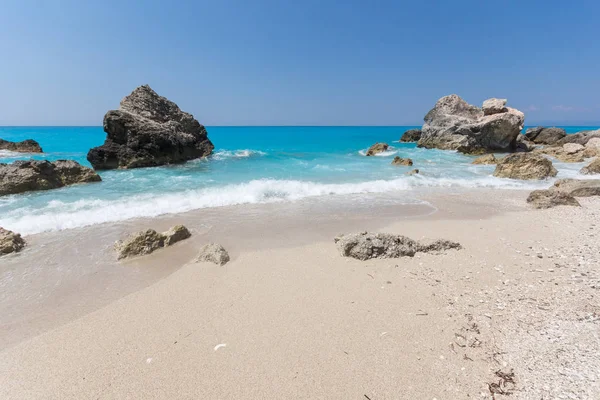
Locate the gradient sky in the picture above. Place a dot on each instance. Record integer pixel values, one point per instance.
(308, 62)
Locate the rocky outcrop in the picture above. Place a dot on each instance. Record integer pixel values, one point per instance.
(549, 198)
(543, 135)
(10, 242)
(453, 124)
(148, 130)
(582, 137)
(487, 159)
(377, 148)
(411, 135)
(365, 246)
(578, 187)
(26, 146)
(24, 176)
(214, 253)
(494, 106)
(592, 168)
(525, 166)
(146, 242)
(402, 161)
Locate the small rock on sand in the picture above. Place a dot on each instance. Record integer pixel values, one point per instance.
(10, 242)
(146, 242)
(214, 253)
(551, 198)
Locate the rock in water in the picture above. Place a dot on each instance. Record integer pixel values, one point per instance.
(411, 135)
(26, 146)
(214, 253)
(551, 198)
(10, 242)
(365, 246)
(377, 148)
(453, 124)
(24, 176)
(578, 187)
(146, 242)
(413, 172)
(542, 135)
(592, 168)
(525, 166)
(402, 161)
(582, 137)
(488, 159)
(148, 130)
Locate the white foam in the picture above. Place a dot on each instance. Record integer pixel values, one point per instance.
(389, 152)
(12, 154)
(245, 153)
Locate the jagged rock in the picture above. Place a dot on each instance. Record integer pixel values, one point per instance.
(592, 168)
(543, 135)
(148, 130)
(413, 172)
(377, 148)
(582, 137)
(146, 242)
(524, 145)
(24, 176)
(549, 198)
(485, 160)
(525, 166)
(365, 246)
(10, 242)
(26, 146)
(578, 187)
(214, 253)
(572, 148)
(453, 124)
(494, 106)
(402, 161)
(411, 135)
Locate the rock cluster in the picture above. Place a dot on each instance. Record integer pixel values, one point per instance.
(26, 146)
(453, 124)
(10, 242)
(365, 246)
(402, 161)
(146, 242)
(411, 135)
(148, 130)
(582, 137)
(214, 253)
(525, 166)
(377, 148)
(24, 176)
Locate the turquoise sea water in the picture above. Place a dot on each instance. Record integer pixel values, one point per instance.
(249, 165)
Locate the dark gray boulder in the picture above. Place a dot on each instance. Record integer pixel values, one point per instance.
(411, 135)
(25, 176)
(26, 146)
(148, 130)
(543, 135)
(454, 124)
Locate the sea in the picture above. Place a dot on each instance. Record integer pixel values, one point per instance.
(250, 165)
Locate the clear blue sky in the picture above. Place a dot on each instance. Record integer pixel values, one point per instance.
(306, 62)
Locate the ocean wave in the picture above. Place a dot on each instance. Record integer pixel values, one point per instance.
(59, 215)
(244, 153)
(15, 154)
(389, 152)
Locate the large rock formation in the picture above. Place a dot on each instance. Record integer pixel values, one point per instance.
(146, 242)
(214, 253)
(543, 135)
(365, 245)
(26, 146)
(549, 198)
(578, 187)
(402, 161)
(24, 176)
(148, 130)
(411, 135)
(10, 242)
(592, 168)
(377, 148)
(453, 124)
(525, 166)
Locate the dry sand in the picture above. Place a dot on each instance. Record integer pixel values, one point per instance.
(295, 320)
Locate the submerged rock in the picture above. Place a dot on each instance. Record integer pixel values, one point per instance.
(592, 168)
(377, 148)
(402, 161)
(453, 124)
(10, 242)
(485, 160)
(549, 198)
(525, 166)
(413, 172)
(148, 130)
(411, 135)
(365, 245)
(543, 135)
(26, 146)
(578, 187)
(24, 176)
(146, 242)
(214, 253)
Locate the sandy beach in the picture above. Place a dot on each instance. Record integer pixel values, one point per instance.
(514, 314)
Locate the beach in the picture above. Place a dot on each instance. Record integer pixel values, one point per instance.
(289, 317)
